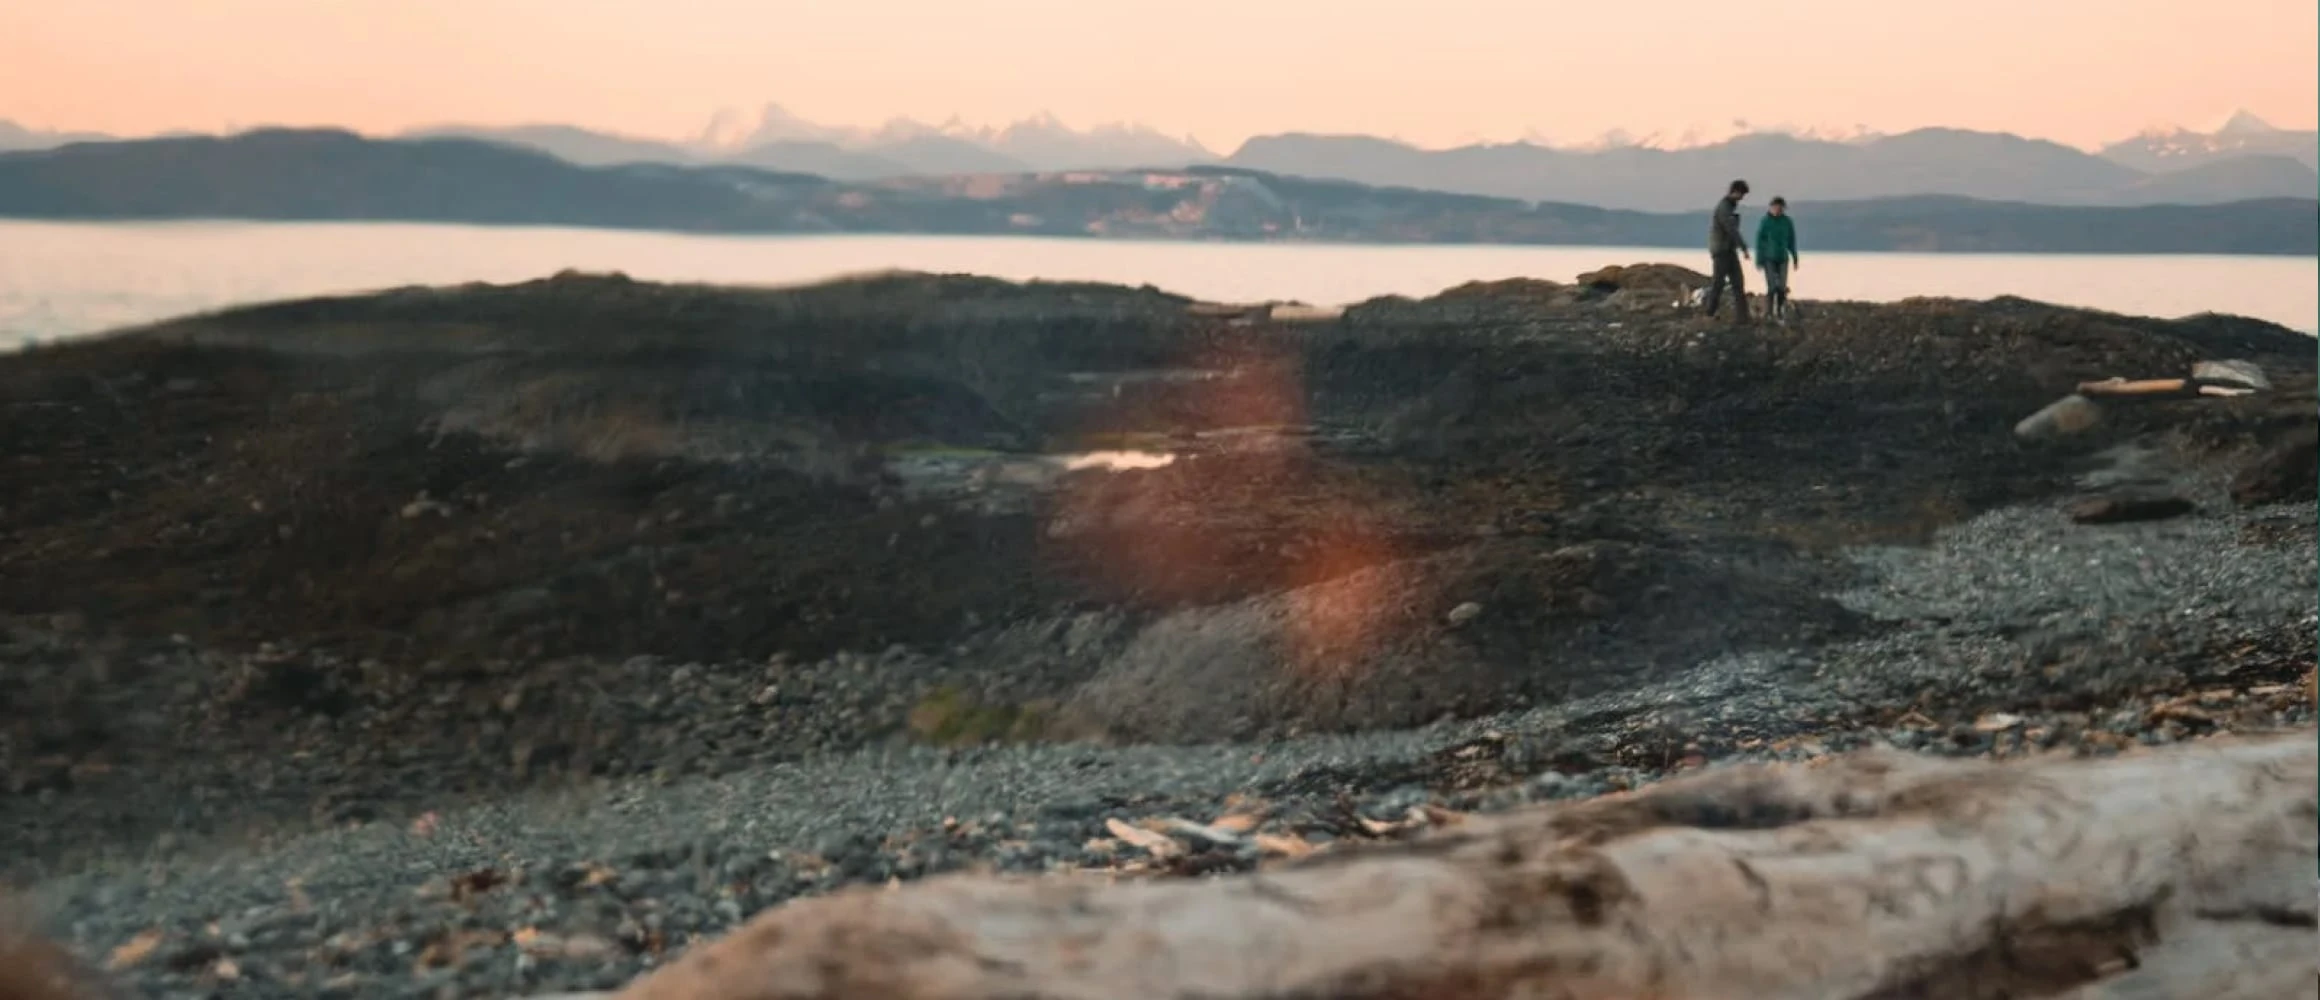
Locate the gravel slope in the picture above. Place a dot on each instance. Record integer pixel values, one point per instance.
(2017, 611)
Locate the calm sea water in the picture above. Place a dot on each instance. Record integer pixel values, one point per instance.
(60, 280)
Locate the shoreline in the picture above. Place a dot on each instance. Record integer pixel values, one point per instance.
(1205, 240)
(190, 264)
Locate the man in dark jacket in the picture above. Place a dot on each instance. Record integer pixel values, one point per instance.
(1725, 248)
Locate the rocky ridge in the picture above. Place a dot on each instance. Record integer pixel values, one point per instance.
(605, 613)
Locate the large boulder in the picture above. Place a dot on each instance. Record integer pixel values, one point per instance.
(1365, 650)
(2287, 472)
(1644, 278)
(1534, 290)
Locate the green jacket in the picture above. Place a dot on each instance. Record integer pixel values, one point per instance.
(1775, 239)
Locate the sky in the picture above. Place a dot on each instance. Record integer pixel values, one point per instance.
(1439, 73)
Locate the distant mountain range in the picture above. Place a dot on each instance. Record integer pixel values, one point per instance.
(281, 174)
(779, 140)
(2244, 159)
(1983, 165)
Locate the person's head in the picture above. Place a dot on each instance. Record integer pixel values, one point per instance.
(1779, 205)
(1737, 191)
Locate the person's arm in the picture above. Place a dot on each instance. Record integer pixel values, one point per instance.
(1795, 257)
(1763, 229)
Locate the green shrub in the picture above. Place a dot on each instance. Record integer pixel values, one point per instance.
(950, 717)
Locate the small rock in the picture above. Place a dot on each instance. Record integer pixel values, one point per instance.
(1159, 845)
(1203, 836)
(1464, 613)
(423, 505)
(1549, 785)
(1997, 722)
(2246, 373)
(2120, 510)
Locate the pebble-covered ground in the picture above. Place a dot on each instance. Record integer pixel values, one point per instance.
(2019, 633)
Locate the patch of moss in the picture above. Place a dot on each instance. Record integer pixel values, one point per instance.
(950, 717)
(1910, 525)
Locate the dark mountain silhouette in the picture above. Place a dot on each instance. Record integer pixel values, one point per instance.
(899, 151)
(1942, 224)
(565, 142)
(1983, 165)
(1994, 166)
(326, 175)
(14, 137)
(2158, 167)
(1927, 223)
(321, 174)
(2255, 176)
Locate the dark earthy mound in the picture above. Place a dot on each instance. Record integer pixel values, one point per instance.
(353, 559)
(418, 497)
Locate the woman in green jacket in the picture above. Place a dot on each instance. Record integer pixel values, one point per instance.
(1775, 254)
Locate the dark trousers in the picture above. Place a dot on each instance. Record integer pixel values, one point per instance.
(1775, 285)
(1728, 272)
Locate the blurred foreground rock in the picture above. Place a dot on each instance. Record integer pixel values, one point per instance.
(2287, 472)
(2176, 873)
(33, 969)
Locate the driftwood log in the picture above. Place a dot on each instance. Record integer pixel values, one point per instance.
(2187, 872)
(2138, 387)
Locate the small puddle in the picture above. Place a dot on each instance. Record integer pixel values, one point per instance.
(1011, 476)
(1115, 461)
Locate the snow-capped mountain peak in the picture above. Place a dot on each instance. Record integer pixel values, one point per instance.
(731, 129)
(1042, 141)
(906, 129)
(2243, 123)
(2243, 134)
(727, 129)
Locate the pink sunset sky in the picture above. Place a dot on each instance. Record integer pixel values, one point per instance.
(1437, 73)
